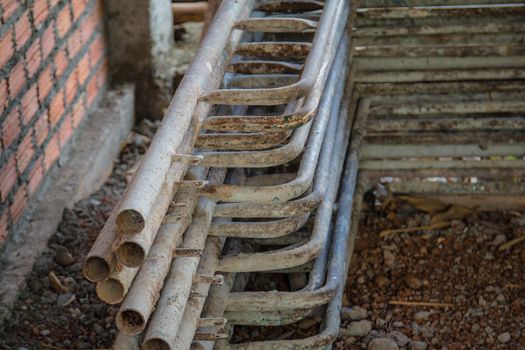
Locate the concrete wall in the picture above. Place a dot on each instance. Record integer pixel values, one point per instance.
(140, 42)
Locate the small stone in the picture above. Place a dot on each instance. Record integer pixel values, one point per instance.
(63, 256)
(398, 324)
(65, 299)
(45, 332)
(382, 344)
(417, 345)
(380, 323)
(355, 313)
(501, 299)
(22, 348)
(421, 315)
(389, 257)
(359, 328)
(382, 281)
(475, 328)
(400, 339)
(499, 240)
(504, 338)
(98, 329)
(413, 282)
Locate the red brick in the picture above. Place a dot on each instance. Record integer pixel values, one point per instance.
(4, 94)
(29, 105)
(65, 132)
(91, 91)
(96, 50)
(48, 41)
(10, 7)
(92, 20)
(56, 108)
(24, 152)
(101, 74)
(83, 69)
(22, 30)
(45, 83)
(63, 21)
(6, 47)
(78, 113)
(35, 176)
(19, 203)
(51, 152)
(17, 79)
(78, 7)
(41, 128)
(71, 87)
(40, 11)
(74, 44)
(61, 62)
(8, 178)
(3, 227)
(11, 127)
(33, 58)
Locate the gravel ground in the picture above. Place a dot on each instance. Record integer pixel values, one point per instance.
(459, 265)
(68, 314)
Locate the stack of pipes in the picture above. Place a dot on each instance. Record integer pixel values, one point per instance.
(252, 145)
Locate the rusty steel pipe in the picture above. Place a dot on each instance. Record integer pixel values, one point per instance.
(282, 95)
(114, 288)
(167, 317)
(254, 123)
(303, 253)
(140, 301)
(140, 196)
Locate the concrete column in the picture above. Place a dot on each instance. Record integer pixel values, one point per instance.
(140, 43)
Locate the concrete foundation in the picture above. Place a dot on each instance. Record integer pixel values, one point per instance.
(140, 42)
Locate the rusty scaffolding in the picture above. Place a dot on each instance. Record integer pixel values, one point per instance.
(290, 112)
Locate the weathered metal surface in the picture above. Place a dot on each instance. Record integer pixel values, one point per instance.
(204, 72)
(313, 53)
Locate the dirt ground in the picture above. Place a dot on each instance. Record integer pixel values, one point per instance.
(460, 265)
(70, 316)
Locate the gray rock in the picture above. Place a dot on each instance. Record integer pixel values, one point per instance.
(382, 344)
(389, 258)
(499, 239)
(63, 256)
(504, 338)
(421, 315)
(355, 313)
(398, 324)
(399, 338)
(417, 345)
(380, 323)
(359, 328)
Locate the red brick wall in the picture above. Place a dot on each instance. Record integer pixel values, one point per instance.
(53, 70)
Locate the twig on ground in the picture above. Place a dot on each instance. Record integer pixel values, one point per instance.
(419, 303)
(511, 243)
(434, 226)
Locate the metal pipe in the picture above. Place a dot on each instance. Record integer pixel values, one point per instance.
(147, 184)
(167, 317)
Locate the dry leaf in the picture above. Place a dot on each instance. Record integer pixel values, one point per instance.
(455, 212)
(511, 243)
